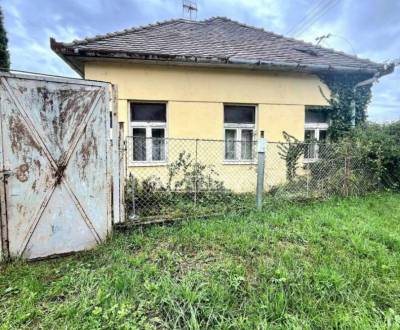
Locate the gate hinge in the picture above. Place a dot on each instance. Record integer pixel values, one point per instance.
(4, 174)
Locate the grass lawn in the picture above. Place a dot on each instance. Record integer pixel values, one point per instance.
(333, 264)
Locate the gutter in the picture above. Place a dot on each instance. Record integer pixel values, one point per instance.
(294, 66)
(67, 53)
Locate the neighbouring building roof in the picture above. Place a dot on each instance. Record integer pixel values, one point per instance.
(215, 41)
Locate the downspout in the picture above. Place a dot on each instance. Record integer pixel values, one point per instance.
(369, 81)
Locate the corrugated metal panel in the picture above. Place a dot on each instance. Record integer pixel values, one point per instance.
(55, 145)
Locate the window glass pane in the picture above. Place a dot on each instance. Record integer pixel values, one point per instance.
(158, 143)
(322, 136)
(247, 144)
(309, 135)
(316, 116)
(323, 149)
(239, 114)
(148, 112)
(139, 144)
(230, 144)
(310, 148)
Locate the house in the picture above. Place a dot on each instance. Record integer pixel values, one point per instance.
(215, 79)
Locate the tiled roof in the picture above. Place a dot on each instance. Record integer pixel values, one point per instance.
(213, 40)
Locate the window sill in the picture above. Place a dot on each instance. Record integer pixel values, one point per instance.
(310, 160)
(147, 164)
(239, 162)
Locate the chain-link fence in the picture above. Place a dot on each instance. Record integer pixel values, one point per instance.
(178, 178)
(298, 171)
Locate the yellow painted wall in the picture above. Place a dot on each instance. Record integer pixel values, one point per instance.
(195, 100)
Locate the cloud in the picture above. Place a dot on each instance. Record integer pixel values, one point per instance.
(370, 28)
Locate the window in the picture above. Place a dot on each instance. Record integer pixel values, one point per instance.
(239, 124)
(315, 133)
(148, 125)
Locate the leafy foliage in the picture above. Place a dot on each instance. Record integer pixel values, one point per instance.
(344, 170)
(340, 102)
(4, 54)
(291, 151)
(366, 159)
(380, 145)
(189, 175)
(189, 183)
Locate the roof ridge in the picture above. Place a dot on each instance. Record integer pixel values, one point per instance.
(125, 31)
(159, 23)
(242, 24)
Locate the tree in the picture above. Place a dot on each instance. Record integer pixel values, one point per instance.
(4, 54)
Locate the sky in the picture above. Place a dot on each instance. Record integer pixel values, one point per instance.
(368, 28)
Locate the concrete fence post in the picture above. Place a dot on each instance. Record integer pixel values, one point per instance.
(260, 170)
(116, 175)
(196, 168)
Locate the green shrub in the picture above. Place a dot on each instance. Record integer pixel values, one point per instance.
(189, 185)
(367, 159)
(380, 144)
(290, 152)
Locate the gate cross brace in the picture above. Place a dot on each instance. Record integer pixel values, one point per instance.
(58, 168)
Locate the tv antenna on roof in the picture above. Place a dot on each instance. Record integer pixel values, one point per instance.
(189, 9)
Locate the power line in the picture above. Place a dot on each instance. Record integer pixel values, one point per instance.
(313, 10)
(316, 17)
(325, 37)
(386, 105)
(346, 40)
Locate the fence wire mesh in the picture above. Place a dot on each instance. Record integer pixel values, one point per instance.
(178, 178)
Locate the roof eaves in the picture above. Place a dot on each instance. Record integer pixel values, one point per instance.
(70, 52)
(58, 48)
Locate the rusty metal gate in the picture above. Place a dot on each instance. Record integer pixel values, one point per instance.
(55, 177)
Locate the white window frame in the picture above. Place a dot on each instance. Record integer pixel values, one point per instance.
(317, 128)
(148, 126)
(238, 145)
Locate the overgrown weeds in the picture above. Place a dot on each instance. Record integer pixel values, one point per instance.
(334, 264)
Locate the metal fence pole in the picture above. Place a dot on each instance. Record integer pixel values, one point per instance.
(260, 171)
(346, 176)
(308, 180)
(132, 179)
(195, 173)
